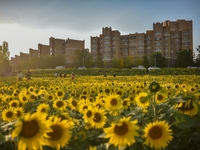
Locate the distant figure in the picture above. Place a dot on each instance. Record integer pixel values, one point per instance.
(19, 75)
(72, 76)
(105, 75)
(114, 75)
(28, 75)
(64, 75)
(60, 75)
(55, 74)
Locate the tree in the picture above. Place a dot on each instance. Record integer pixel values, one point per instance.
(157, 60)
(197, 59)
(98, 62)
(145, 61)
(4, 57)
(184, 58)
(128, 62)
(81, 58)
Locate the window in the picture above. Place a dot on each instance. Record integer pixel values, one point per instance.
(140, 42)
(158, 33)
(106, 42)
(140, 36)
(106, 37)
(140, 47)
(148, 47)
(185, 33)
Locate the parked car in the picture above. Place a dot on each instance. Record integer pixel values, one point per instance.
(81, 67)
(60, 67)
(153, 68)
(192, 67)
(139, 67)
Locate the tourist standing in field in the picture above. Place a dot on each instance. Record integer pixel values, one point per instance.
(72, 76)
(19, 75)
(28, 75)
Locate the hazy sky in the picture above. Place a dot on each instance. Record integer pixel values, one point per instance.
(25, 23)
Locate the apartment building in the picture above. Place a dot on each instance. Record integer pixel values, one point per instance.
(65, 47)
(167, 38)
(43, 50)
(33, 53)
(71, 46)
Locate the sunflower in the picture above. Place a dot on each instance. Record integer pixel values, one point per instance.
(60, 94)
(122, 133)
(88, 113)
(19, 112)
(157, 134)
(113, 103)
(32, 97)
(14, 103)
(9, 114)
(31, 89)
(23, 98)
(189, 107)
(43, 108)
(160, 97)
(30, 131)
(72, 103)
(142, 100)
(83, 105)
(49, 97)
(126, 103)
(154, 86)
(99, 103)
(60, 104)
(60, 134)
(98, 119)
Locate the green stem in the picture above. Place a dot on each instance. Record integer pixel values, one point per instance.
(154, 107)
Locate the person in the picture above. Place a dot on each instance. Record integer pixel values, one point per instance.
(72, 76)
(55, 74)
(28, 75)
(19, 75)
(64, 75)
(105, 75)
(60, 75)
(114, 75)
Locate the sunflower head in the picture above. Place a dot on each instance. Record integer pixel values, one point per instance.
(154, 87)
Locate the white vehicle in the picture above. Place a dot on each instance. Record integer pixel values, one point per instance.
(60, 67)
(192, 67)
(153, 68)
(139, 67)
(81, 67)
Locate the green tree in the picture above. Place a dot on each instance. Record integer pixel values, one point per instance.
(4, 57)
(98, 62)
(81, 58)
(184, 58)
(157, 59)
(145, 61)
(128, 62)
(115, 63)
(197, 58)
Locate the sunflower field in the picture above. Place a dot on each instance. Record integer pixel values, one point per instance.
(140, 112)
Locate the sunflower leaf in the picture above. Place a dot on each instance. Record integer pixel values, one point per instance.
(184, 121)
(2, 138)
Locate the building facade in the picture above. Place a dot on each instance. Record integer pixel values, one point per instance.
(167, 38)
(70, 47)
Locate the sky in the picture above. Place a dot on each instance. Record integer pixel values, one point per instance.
(26, 23)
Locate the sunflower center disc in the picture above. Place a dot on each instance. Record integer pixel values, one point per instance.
(155, 132)
(121, 130)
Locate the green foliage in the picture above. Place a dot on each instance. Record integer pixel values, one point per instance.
(184, 58)
(4, 57)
